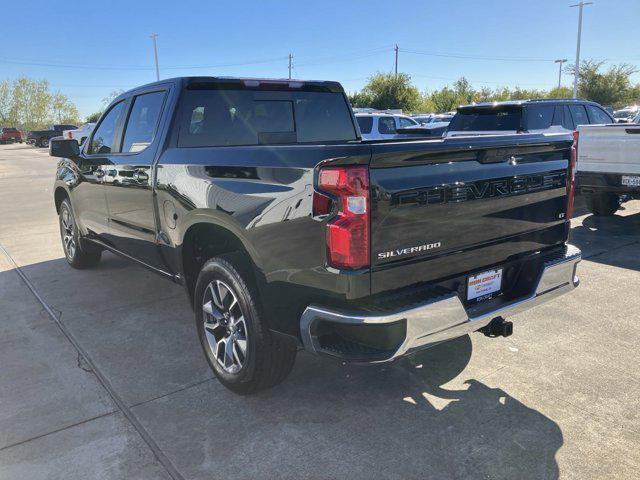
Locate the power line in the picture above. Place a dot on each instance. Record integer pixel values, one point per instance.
(478, 57)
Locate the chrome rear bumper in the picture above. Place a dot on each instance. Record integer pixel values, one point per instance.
(445, 317)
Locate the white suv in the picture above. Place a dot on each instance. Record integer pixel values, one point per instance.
(382, 126)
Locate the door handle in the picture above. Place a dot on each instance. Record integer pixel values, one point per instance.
(140, 176)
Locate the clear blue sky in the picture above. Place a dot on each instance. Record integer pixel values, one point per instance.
(348, 40)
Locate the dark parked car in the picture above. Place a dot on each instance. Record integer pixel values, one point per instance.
(526, 116)
(289, 231)
(10, 135)
(41, 138)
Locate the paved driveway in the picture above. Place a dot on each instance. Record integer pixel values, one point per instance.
(101, 376)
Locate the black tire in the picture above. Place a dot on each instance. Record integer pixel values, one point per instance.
(44, 142)
(603, 204)
(267, 360)
(81, 255)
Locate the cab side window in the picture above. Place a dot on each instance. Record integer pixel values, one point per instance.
(597, 115)
(142, 122)
(405, 122)
(567, 121)
(579, 115)
(386, 125)
(104, 135)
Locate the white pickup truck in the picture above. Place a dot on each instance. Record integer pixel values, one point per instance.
(608, 166)
(80, 134)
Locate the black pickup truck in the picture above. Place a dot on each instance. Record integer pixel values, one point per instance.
(289, 231)
(41, 138)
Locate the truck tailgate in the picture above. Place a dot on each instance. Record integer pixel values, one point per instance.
(444, 208)
(609, 148)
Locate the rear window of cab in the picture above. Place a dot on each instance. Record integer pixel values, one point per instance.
(217, 117)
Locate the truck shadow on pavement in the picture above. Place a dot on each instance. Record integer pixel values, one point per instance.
(609, 240)
(426, 416)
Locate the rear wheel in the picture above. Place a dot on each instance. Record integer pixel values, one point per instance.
(78, 253)
(603, 204)
(44, 142)
(239, 347)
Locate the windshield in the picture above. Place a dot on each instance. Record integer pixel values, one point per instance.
(623, 114)
(487, 119)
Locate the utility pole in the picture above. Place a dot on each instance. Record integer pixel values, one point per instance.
(155, 54)
(396, 50)
(560, 71)
(290, 65)
(577, 67)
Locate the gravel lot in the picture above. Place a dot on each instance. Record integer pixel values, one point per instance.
(101, 376)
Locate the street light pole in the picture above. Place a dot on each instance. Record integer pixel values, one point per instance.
(155, 54)
(577, 66)
(560, 71)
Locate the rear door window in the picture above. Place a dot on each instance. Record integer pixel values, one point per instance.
(539, 117)
(386, 125)
(579, 115)
(142, 122)
(247, 117)
(365, 124)
(597, 115)
(487, 119)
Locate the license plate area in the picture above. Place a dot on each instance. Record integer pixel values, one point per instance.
(631, 180)
(484, 285)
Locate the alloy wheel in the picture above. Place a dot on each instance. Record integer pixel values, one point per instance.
(224, 326)
(68, 237)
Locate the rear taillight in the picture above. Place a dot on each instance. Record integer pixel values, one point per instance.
(348, 232)
(69, 135)
(571, 181)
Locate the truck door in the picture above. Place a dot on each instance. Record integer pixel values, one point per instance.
(90, 204)
(129, 182)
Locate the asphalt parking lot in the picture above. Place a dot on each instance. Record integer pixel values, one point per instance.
(102, 377)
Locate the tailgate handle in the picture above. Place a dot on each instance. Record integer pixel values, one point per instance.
(497, 156)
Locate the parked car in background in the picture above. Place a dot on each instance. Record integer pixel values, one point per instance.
(380, 126)
(10, 135)
(79, 134)
(526, 116)
(626, 114)
(40, 138)
(289, 231)
(608, 166)
(442, 119)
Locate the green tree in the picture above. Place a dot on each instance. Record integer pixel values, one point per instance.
(388, 91)
(64, 111)
(560, 92)
(607, 88)
(444, 100)
(5, 102)
(464, 91)
(360, 99)
(30, 102)
(111, 97)
(94, 117)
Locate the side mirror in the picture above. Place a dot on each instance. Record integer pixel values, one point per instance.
(60, 147)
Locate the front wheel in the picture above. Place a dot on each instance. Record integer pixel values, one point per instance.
(44, 143)
(78, 254)
(603, 204)
(239, 347)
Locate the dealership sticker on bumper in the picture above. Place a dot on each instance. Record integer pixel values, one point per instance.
(631, 180)
(483, 284)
